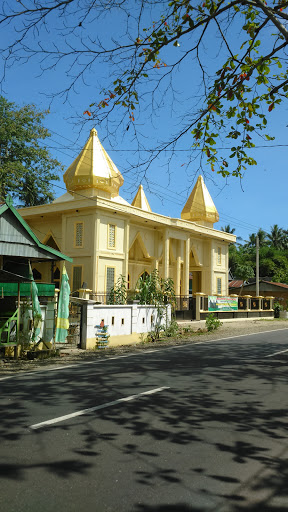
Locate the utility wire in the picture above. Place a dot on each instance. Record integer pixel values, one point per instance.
(150, 150)
(169, 198)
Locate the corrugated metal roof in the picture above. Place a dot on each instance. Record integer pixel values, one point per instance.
(236, 283)
(17, 238)
(281, 285)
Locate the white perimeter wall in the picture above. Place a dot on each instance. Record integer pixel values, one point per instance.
(123, 320)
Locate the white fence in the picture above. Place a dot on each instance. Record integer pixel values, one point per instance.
(125, 323)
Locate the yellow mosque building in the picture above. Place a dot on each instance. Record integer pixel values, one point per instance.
(106, 236)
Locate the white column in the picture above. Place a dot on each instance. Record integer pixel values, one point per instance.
(94, 256)
(186, 267)
(126, 249)
(178, 268)
(166, 242)
(156, 251)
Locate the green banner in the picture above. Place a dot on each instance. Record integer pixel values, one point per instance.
(222, 303)
(62, 322)
(36, 310)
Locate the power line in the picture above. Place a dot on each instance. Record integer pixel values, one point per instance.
(165, 196)
(169, 198)
(150, 150)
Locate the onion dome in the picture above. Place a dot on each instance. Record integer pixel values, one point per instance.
(93, 169)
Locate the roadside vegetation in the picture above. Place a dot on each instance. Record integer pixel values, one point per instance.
(273, 255)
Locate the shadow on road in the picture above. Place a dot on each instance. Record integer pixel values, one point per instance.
(224, 421)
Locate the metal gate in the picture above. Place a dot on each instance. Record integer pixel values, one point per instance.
(75, 318)
(185, 307)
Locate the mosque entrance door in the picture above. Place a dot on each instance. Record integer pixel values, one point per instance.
(196, 281)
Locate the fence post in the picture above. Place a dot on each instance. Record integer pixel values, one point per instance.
(248, 301)
(134, 313)
(83, 326)
(271, 299)
(84, 293)
(260, 304)
(199, 307)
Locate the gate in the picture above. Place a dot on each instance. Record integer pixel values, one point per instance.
(75, 319)
(185, 307)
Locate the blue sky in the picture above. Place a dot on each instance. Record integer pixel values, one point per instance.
(259, 201)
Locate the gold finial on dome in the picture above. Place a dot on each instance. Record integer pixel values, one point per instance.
(199, 206)
(93, 169)
(141, 201)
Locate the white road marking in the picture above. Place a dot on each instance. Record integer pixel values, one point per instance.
(55, 367)
(241, 336)
(96, 408)
(276, 353)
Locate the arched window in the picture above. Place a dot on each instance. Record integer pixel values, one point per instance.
(144, 275)
(56, 277)
(52, 243)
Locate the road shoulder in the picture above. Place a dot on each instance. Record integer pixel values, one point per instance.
(74, 355)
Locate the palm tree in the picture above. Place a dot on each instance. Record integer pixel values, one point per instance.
(285, 236)
(228, 229)
(277, 238)
(251, 242)
(262, 237)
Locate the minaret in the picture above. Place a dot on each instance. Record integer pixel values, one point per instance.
(141, 201)
(199, 206)
(93, 172)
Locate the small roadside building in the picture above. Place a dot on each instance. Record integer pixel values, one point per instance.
(266, 289)
(19, 246)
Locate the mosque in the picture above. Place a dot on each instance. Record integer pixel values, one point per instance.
(106, 236)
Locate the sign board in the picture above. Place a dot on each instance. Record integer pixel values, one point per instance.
(222, 303)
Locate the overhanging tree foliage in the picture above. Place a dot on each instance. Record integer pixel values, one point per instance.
(26, 166)
(159, 42)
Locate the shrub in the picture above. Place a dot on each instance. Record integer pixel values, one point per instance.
(172, 330)
(277, 308)
(118, 294)
(212, 323)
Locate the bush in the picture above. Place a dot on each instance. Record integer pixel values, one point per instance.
(212, 323)
(277, 308)
(118, 294)
(172, 330)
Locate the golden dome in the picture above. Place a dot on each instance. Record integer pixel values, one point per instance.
(199, 206)
(93, 169)
(141, 201)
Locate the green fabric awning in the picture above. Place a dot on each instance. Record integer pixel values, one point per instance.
(11, 289)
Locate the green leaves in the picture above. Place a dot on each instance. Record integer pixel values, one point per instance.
(248, 79)
(26, 166)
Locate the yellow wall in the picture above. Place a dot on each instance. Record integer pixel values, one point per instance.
(147, 253)
(70, 246)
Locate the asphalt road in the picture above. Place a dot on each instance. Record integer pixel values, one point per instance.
(191, 428)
